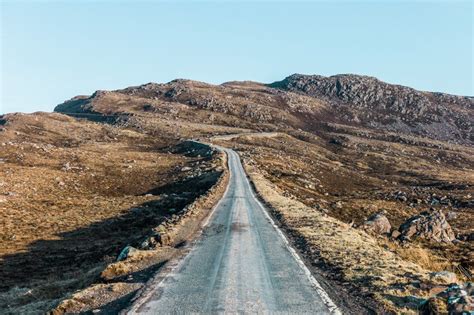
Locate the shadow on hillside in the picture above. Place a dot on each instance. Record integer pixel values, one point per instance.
(81, 250)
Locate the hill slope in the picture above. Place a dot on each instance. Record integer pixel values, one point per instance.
(341, 148)
(298, 101)
(366, 101)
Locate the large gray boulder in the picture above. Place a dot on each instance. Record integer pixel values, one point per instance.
(377, 223)
(430, 225)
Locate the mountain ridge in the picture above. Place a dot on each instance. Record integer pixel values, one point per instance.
(305, 102)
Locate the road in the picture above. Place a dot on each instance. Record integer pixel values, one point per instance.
(241, 263)
(247, 134)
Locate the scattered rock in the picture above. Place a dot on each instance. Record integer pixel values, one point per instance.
(126, 252)
(434, 305)
(461, 305)
(337, 204)
(451, 215)
(395, 234)
(152, 241)
(443, 277)
(377, 223)
(469, 237)
(430, 225)
(456, 299)
(186, 169)
(66, 167)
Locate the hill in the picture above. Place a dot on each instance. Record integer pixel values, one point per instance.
(342, 150)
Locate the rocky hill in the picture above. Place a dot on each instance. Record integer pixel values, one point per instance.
(367, 101)
(299, 101)
(374, 183)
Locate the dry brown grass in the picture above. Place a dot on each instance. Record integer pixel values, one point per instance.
(141, 265)
(317, 188)
(352, 180)
(359, 257)
(420, 256)
(72, 195)
(348, 172)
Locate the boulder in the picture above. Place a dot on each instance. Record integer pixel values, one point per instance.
(395, 234)
(126, 252)
(430, 225)
(443, 277)
(377, 223)
(468, 237)
(461, 305)
(337, 204)
(456, 299)
(434, 305)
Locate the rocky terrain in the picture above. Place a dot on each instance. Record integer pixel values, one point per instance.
(384, 163)
(366, 101)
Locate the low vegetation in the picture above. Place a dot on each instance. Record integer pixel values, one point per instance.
(373, 181)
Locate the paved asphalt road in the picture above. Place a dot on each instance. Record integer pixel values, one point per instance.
(240, 264)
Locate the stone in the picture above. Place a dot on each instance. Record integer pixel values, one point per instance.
(126, 252)
(395, 234)
(430, 225)
(434, 305)
(469, 237)
(461, 305)
(443, 277)
(152, 241)
(469, 287)
(377, 223)
(338, 204)
(66, 167)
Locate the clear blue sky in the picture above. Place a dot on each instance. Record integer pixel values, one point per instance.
(52, 51)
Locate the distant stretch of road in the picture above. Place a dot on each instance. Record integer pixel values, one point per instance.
(241, 264)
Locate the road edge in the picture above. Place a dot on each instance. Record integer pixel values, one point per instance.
(149, 288)
(349, 302)
(333, 308)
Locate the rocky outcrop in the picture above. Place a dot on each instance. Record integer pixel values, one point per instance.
(429, 225)
(443, 277)
(377, 223)
(299, 101)
(370, 102)
(456, 299)
(78, 105)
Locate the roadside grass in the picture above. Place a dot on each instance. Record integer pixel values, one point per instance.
(359, 258)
